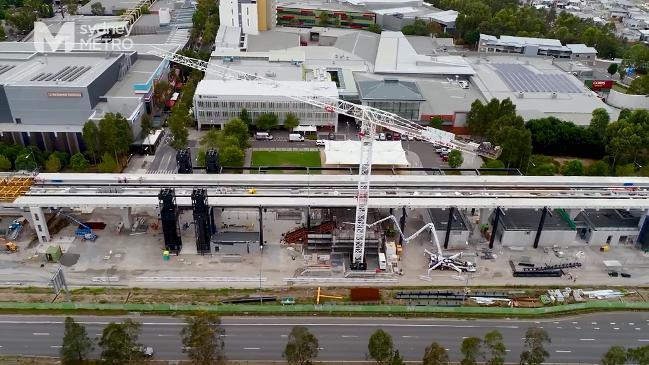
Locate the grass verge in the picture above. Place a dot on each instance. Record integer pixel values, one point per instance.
(285, 158)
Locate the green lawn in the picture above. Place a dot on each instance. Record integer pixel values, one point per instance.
(286, 158)
(619, 88)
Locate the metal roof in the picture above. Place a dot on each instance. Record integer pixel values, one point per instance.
(389, 89)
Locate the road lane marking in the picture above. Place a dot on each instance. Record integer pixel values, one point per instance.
(320, 348)
(41, 334)
(616, 328)
(508, 350)
(586, 339)
(160, 335)
(575, 322)
(596, 328)
(413, 337)
(643, 340)
(593, 322)
(283, 336)
(637, 328)
(631, 324)
(252, 348)
(612, 323)
(56, 346)
(349, 336)
(559, 327)
(563, 351)
(577, 328)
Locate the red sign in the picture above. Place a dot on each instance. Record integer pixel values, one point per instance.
(602, 84)
(329, 108)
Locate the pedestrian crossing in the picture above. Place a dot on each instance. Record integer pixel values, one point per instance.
(170, 171)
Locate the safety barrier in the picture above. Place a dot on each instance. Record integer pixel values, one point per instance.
(229, 309)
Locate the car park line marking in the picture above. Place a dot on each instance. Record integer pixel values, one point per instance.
(586, 339)
(252, 348)
(41, 334)
(563, 351)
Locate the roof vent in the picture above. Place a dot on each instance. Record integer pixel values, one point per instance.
(520, 94)
(553, 95)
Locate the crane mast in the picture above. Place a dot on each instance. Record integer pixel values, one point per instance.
(370, 119)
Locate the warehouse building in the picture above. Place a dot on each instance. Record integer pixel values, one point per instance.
(218, 101)
(535, 47)
(609, 226)
(519, 227)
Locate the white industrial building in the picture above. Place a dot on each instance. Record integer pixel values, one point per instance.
(609, 226)
(218, 101)
(535, 47)
(518, 227)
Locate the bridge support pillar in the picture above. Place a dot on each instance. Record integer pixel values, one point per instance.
(540, 229)
(495, 227)
(449, 224)
(39, 222)
(484, 215)
(261, 227)
(402, 223)
(306, 217)
(127, 219)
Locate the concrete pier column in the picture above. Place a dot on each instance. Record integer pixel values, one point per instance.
(39, 222)
(484, 215)
(261, 227)
(449, 224)
(402, 224)
(127, 219)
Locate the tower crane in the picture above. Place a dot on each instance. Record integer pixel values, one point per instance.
(370, 119)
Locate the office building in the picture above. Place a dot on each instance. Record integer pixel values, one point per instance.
(251, 16)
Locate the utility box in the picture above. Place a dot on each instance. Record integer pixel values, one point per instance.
(53, 254)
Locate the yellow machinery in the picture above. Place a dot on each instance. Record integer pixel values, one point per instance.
(604, 248)
(317, 299)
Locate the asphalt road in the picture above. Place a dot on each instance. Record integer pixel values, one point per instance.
(580, 339)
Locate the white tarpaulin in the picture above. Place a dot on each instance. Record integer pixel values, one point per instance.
(348, 153)
(305, 128)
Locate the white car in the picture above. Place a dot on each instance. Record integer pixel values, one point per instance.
(381, 136)
(445, 151)
(439, 149)
(320, 142)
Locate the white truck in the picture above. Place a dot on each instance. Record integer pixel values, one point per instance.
(295, 137)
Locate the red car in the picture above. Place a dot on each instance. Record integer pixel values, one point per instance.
(396, 137)
(445, 158)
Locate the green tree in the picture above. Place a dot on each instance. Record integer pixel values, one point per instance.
(161, 91)
(301, 348)
(178, 129)
(90, 135)
(26, 160)
(625, 170)
(203, 336)
(245, 116)
(573, 168)
(597, 168)
(3, 35)
(535, 352)
(200, 157)
(211, 138)
(231, 156)
(483, 117)
(239, 130)
(108, 163)
(5, 164)
(146, 125)
(455, 159)
(374, 28)
(76, 345)
(53, 164)
(436, 122)
(510, 134)
(616, 355)
(435, 354)
(119, 343)
(599, 122)
(324, 19)
(612, 69)
(78, 162)
(471, 350)
(22, 20)
(494, 348)
(266, 121)
(291, 121)
(380, 347)
(639, 86)
(639, 355)
(396, 359)
(97, 9)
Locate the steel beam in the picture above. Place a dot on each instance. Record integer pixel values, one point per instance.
(449, 223)
(540, 229)
(495, 228)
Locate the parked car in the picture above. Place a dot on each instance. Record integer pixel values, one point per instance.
(147, 351)
(295, 137)
(320, 142)
(410, 138)
(381, 136)
(377, 137)
(396, 137)
(445, 158)
(263, 136)
(445, 152)
(439, 149)
(332, 136)
(388, 136)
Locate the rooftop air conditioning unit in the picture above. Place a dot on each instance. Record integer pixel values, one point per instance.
(520, 94)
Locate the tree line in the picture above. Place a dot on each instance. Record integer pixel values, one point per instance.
(203, 336)
(108, 141)
(618, 146)
(506, 17)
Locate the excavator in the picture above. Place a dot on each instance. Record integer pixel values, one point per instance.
(10, 246)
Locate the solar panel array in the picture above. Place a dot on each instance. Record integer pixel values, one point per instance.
(522, 79)
(5, 68)
(68, 73)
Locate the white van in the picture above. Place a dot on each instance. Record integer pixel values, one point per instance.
(263, 136)
(383, 264)
(295, 137)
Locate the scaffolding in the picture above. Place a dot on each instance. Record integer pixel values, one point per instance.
(14, 186)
